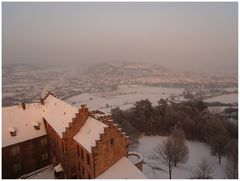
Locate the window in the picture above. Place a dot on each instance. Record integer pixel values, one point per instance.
(78, 151)
(16, 167)
(44, 156)
(79, 166)
(83, 172)
(88, 160)
(82, 154)
(14, 150)
(111, 141)
(44, 141)
(63, 147)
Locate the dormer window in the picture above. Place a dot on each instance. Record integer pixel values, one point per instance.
(36, 125)
(12, 131)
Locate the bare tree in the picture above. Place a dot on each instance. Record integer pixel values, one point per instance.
(232, 159)
(172, 151)
(204, 170)
(218, 143)
(179, 146)
(165, 154)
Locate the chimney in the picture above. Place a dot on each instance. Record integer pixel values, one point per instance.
(42, 101)
(13, 131)
(36, 125)
(23, 105)
(84, 107)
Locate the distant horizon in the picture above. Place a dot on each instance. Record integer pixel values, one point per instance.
(107, 62)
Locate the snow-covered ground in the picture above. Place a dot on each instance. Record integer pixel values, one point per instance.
(124, 97)
(197, 151)
(227, 98)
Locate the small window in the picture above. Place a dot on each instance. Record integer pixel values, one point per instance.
(78, 151)
(82, 154)
(16, 167)
(44, 141)
(83, 171)
(88, 159)
(44, 156)
(63, 148)
(111, 141)
(14, 150)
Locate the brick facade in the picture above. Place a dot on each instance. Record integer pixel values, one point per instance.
(25, 157)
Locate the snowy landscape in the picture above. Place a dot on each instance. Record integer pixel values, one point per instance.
(105, 93)
(120, 90)
(197, 152)
(124, 97)
(115, 84)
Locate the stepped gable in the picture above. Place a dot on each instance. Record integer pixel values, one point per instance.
(106, 118)
(89, 133)
(21, 120)
(59, 114)
(77, 122)
(112, 141)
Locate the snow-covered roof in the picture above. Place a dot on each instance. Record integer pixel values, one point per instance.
(122, 169)
(89, 133)
(58, 114)
(19, 120)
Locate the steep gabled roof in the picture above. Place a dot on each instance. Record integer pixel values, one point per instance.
(58, 114)
(122, 169)
(89, 133)
(22, 121)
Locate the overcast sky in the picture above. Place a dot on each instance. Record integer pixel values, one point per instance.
(182, 36)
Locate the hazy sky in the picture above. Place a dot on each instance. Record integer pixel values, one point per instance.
(183, 36)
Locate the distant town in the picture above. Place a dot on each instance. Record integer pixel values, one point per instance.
(22, 82)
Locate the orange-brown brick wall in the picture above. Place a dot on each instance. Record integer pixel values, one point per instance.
(85, 168)
(105, 153)
(77, 123)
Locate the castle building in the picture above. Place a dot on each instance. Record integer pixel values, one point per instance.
(78, 142)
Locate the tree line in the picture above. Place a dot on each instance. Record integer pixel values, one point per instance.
(192, 117)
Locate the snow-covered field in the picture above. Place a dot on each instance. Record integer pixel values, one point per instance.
(197, 151)
(227, 98)
(124, 97)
